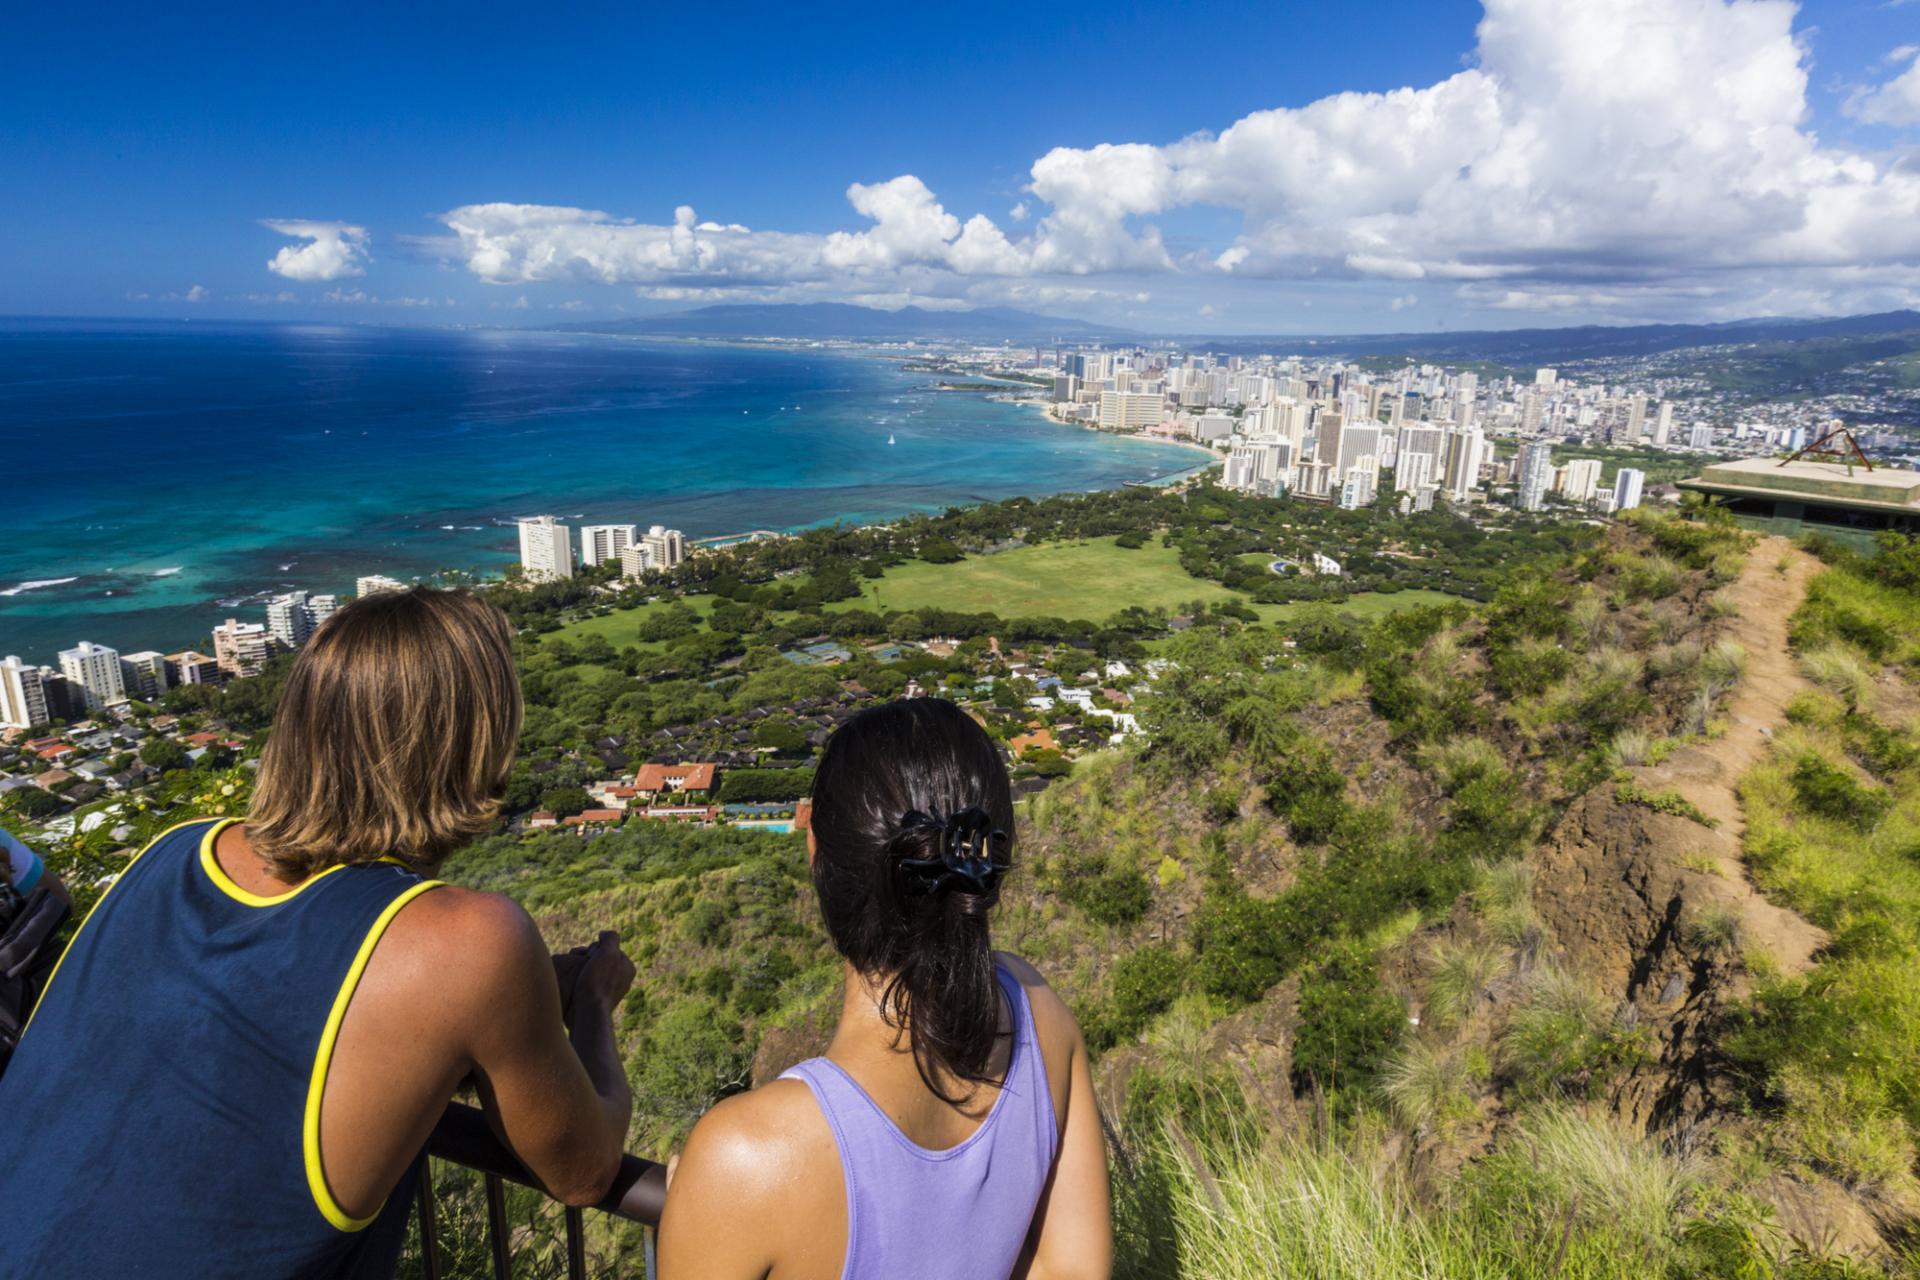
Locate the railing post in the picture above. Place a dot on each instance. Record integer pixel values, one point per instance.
(648, 1252)
(497, 1227)
(429, 1236)
(576, 1245)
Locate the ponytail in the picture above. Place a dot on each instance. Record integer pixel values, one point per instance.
(905, 892)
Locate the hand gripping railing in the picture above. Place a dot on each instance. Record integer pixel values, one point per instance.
(464, 1137)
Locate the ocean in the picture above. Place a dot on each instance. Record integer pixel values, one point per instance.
(158, 478)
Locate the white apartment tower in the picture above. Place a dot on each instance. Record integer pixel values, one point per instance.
(603, 542)
(23, 695)
(667, 546)
(1627, 486)
(1535, 475)
(1663, 423)
(1130, 410)
(546, 549)
(289, 620)
(373, 584)
(1580, 479)
(96, 669)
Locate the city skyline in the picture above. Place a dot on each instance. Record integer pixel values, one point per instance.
(1530, 162)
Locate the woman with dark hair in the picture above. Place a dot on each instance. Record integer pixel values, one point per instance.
(950, 1130)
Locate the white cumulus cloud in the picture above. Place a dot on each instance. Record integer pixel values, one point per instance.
(1643, 156)
(333, 250)
(1897, 102)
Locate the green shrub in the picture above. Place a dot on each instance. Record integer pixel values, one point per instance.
(1116, 893)
(1347, 1029)
(1830, 792)
(1145, 984)
(1671, 802)
(1241, 949)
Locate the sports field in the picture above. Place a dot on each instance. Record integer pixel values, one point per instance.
(1093, 579)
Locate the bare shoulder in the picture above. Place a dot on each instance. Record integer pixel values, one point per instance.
(761, 1146)
(1051, 1017)
(463, 940)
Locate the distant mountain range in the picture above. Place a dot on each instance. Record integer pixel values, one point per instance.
(1523, 347)
(1517, 347)
(844, 320)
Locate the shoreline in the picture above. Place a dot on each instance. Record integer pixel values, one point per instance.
(41, 613)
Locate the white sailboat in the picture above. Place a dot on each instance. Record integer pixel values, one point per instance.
(889, 437)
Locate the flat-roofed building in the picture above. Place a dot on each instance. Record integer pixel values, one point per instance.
(546, 549)
(96, 669)
(242, 648)
(188, 667)
(373, 584)
(604, 542)
(1848, 503)
(144, 674)
(1130, 410)
(668, 546)
(23, 694)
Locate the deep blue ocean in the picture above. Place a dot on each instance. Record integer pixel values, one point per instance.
(157, 478)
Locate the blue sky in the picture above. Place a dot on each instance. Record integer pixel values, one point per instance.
(1182, 169)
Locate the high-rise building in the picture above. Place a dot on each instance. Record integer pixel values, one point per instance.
(289, 620)
(635, 561)
(1580, 478)
(188, 667)
(374, 583)
(1701, 437)
(1465, 450)
(23, 695)
(1545, 377)
(1130, 410)
(1360, 487)
(1064, 387)
(242, 648)
(1627, 484)
(1636, 418)
(1359, 441)
(603, 542)
(1663, 423)
(1413, 471)
(1535, 474)
(96, 669)
(669, 546)
(144, 674)
(546, 549)
(1326, 438)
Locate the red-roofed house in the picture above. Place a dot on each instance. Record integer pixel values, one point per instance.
(594, 817)
(541, 821)
(684, 781)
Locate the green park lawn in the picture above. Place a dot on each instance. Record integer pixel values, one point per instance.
(1093, 579)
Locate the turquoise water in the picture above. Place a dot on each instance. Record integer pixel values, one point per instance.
(161, 477)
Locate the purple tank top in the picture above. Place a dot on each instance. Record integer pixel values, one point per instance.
(964, 1212)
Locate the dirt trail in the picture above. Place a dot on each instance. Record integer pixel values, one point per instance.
(1709, 773)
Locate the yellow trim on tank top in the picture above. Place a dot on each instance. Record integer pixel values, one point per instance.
(225, 883)
(323, 1059)
(48, 985)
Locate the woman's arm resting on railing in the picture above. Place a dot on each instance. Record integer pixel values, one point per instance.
(557, 1096)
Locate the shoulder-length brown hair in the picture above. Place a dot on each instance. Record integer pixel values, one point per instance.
(394, 735)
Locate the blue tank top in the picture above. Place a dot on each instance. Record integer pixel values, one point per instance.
(161, 1117)
(958, 1214)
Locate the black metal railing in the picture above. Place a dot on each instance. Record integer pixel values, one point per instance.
(463, 1137)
